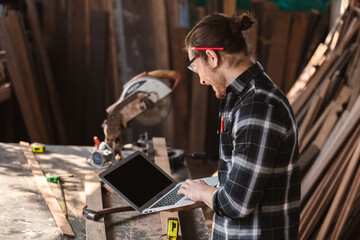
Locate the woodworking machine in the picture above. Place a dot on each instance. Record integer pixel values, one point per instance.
(147, 99)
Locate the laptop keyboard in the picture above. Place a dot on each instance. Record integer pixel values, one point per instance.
(170, 199)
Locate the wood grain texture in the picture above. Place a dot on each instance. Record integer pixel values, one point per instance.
(13, 45)
(347, 206)
(327, 155)
(315, 207)
(162, 160)
(278, 48)
(45, 67)
(295, 48)
(45, 190)
(339, 194)
(229, 7)
(198, 113)
(95, 230)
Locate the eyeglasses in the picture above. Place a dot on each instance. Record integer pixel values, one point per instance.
(189, 65)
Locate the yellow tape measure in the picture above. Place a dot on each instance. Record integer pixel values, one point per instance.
(172, 228)
(37, 147)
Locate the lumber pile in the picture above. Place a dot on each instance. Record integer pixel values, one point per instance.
(326, 103)
(62, 62)
(286, 39)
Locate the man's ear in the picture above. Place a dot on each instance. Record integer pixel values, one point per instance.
(212, 60)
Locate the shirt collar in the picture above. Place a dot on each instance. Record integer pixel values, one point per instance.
(240, 82)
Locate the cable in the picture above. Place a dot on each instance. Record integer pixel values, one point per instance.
(164, 235)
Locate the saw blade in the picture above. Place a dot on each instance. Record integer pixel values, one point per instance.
(156, 114)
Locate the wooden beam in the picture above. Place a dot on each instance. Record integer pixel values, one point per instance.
(313, 210)
(325, 157)
(315, 107)
(308, 72)
(340, 194)
(39, 46)
(94, 229)
(332, 64)
(162, 160)
(46, 192)
(347, 206)
(295, 48)
(198, 113)
(278, 48)
(14, 62)
(229, 7)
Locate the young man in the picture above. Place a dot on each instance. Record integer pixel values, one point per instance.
(258, 196)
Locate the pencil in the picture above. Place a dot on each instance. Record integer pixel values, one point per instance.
(206, 48)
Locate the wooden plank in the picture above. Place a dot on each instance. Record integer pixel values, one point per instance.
(315, 107)
(310, 135)
(318, 27)
(310, 116)
(307, 158)
(55, 31)
(326, 129)
(279, 42)
(270, 11)
(96, 81)
(340, 194)
(162, 160)
(44, 61)
(162, 53)
(113, 51)
(314, 208)
(182, 92)
(45, 190)
(295, 48)
(306, 75)
(347, 206)
(325, 157)
(198, 113)
(229, 7)
(8, 43)
(325, 70)
(5, 92)
(78, 43)
(23, 60)
(94, 229)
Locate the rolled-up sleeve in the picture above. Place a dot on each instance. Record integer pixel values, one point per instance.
(256, 135)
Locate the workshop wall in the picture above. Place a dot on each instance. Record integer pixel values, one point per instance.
(80, 53)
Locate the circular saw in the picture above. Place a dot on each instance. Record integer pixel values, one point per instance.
(146, 98)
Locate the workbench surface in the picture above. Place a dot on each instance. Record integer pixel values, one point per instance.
(25, 215)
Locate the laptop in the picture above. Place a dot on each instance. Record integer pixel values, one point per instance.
(145, 186)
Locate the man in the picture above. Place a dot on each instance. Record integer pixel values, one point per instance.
(258, 196)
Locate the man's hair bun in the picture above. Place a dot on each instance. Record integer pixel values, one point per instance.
(241, 22)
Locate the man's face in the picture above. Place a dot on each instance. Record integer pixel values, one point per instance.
(209, 75)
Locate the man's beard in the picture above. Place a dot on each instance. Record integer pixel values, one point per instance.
(220, 87)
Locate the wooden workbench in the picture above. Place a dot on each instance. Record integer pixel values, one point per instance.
(25, 215)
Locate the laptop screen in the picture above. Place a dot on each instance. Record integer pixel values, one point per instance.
(138, 180)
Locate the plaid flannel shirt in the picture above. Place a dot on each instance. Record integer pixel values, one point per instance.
(259, 170)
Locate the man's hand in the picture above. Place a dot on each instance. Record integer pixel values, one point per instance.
(198, 191)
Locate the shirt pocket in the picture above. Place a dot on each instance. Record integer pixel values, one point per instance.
(226, 146)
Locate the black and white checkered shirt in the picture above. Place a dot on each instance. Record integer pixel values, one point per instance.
(259, 168)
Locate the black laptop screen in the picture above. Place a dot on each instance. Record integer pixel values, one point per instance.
(138, 180)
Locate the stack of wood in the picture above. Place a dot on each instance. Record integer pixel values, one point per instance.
(286, 40)
(65, 71)
(31, 76)
(326, 102)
